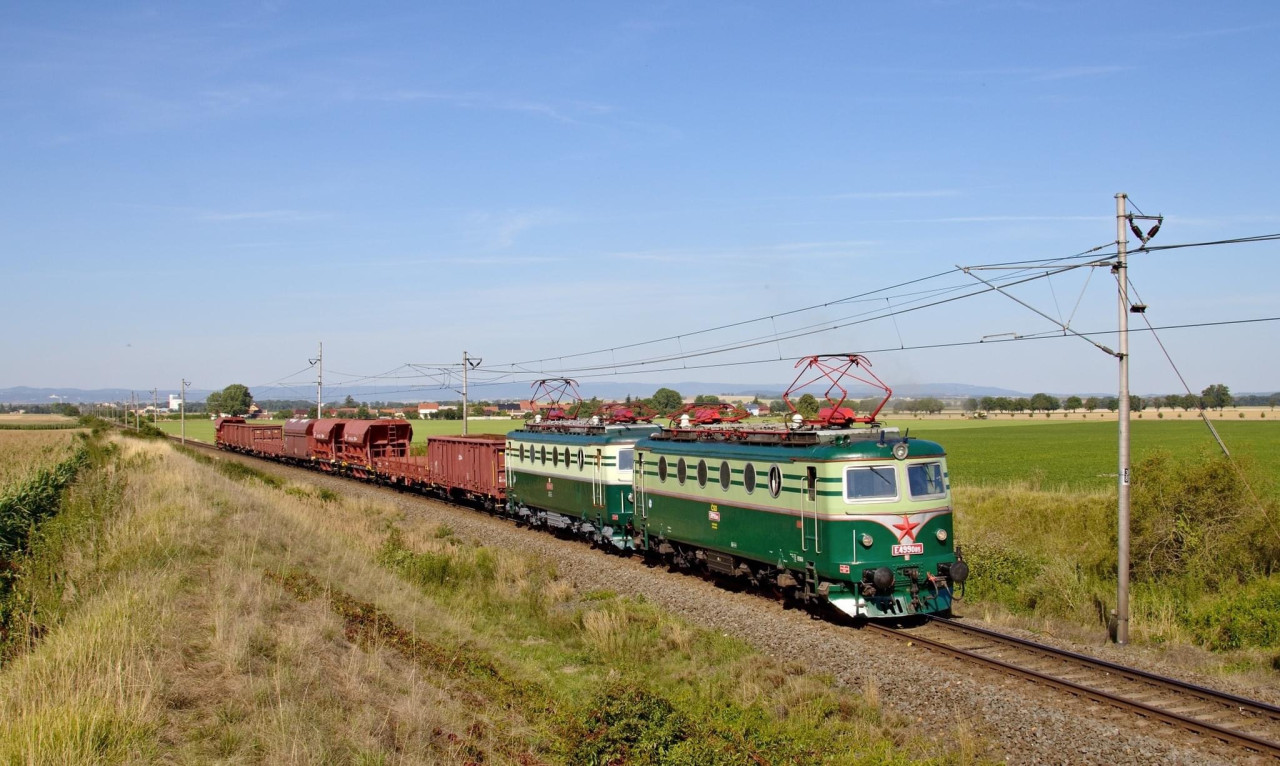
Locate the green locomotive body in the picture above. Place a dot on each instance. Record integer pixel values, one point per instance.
(858, 518)
(575, 476)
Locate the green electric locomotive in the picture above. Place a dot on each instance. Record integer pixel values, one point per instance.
(831, 510)
(574, 474)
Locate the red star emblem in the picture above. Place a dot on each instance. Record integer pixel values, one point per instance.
(908, 529)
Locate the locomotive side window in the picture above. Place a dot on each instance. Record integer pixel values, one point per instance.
(925, 481)
(874, 483)
(626, 459)
(749, 478)
(521, 453)
(682, 471)
(555, 456)
(775, 480)
(724, 475)
(566, 457)
(662, 468)
(811, 482)
(702, 473)
(581, 458)
(544, 455)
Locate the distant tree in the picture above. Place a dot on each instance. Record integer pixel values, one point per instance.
(1021, 404)
(987, 403)
(214, 403)
(448, 413)
(1111, 403)
(1092, 403)
(362, 412)
(1044, 402)
(1073, 403)
(971, 404)
(667, 401)
(1136, 403)
(1273, 400)
(706, 399)
(1189, 402)
(807, 406)
(348, 402)
(778, 407)
(233, 400)
(1216, 396)
(311, 413)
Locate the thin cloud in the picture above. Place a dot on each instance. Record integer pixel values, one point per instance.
(485, 101)
(285, 216)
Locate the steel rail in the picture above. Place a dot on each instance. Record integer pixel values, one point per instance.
(1114, 699)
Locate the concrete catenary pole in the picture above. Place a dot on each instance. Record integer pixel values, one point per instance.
(1122, 282)
(320, 382)
(182, 409)
(155, 407)
(465, 366)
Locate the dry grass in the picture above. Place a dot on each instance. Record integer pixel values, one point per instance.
(22, 453)
(180, 649)
(178, 646)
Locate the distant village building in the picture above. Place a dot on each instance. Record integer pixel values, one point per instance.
(175, 402)
(428, 410)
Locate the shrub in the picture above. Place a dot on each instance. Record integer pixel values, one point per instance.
(1248, 617)
(1194, 518)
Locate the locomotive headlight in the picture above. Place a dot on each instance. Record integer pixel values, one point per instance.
(942, 535)
(866, 540)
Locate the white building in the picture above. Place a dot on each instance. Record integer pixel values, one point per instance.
(175, 402)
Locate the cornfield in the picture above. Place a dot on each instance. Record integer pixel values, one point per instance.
(35, 466)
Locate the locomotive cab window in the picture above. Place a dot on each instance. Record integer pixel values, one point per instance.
(871, 484)
(925, 481)
(626, 459)
(662, 468)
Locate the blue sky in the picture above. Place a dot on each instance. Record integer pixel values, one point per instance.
(208, 190)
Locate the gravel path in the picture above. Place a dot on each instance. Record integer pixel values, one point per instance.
(1008, 719)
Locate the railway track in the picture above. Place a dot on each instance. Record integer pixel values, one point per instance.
(1237, 721)
(1245, 723)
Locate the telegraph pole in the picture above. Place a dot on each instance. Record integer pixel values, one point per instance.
(465, 365)
(320, 382)
(155, 407)
(1122, 282)
(182, 409)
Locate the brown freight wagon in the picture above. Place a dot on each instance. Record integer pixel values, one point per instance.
(470, 467)
(298, 439)
(326, 435)
(363, 441)
(252, 438)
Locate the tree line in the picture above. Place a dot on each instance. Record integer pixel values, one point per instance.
(1214, 397)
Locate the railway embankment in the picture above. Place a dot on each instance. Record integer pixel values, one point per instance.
(270, 614)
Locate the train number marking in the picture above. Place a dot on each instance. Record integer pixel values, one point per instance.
(910, 549)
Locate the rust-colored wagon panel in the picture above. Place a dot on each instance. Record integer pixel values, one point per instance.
(472, 464)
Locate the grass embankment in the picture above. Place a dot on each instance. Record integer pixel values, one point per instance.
(226, 615)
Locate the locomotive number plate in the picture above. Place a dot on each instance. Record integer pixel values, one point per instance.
(913, 549)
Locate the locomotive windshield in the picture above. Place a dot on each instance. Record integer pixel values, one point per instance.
(925, 481)
(871, 483)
